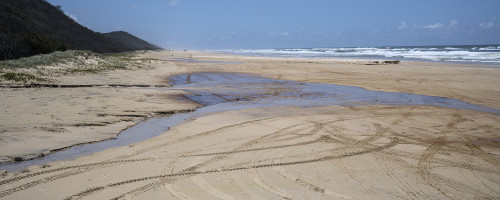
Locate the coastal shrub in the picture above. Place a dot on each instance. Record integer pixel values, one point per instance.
(43, 67)
(84, 59)
(125, 54)
(20, 77)
(54, 58)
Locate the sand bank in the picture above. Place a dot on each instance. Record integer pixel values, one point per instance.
(82, 108)
(367, 152)
(332, 152)
(477, 84)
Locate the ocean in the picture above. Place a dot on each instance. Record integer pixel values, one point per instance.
(465, 54)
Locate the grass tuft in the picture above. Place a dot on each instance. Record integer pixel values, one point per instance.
(71, 62)
(20, 77)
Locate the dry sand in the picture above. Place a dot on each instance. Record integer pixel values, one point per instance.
(333, 152)
(35, 121)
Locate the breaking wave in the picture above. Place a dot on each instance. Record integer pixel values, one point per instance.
(481, 54)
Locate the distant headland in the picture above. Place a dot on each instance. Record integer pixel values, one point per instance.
(31, 27)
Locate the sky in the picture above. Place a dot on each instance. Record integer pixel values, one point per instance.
(251, 24)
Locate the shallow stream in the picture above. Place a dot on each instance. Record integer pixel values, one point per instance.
(225, 91)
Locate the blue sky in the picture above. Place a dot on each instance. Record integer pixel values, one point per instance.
(230, 24)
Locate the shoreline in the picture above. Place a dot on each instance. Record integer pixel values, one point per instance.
(407, 130)
(40, 160)
(207, 59)
(451, 54)
(362, 70)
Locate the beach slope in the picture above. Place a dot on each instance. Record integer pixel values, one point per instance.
(327, 152)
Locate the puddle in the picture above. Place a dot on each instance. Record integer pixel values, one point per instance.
(224, 92)
(141, 131)
(253, 91)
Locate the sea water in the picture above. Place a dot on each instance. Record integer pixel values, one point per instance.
(465, 54)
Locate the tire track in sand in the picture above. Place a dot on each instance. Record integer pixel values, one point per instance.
(294, 129)
(253, 174)
(170, 184)
(351, 144)
(155, 184)
(78, 169)
(443, 185)
(198, 180)
(190, 170)
(281, 171)
(218, 170)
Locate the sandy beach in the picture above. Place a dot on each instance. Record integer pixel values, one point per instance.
(280, 152)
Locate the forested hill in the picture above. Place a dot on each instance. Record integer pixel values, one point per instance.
(130, 40)
(30, 27)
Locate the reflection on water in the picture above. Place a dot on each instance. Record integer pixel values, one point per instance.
(253, 91)
(225, 91)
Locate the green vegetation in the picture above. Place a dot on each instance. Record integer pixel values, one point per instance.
(126, 54)
(57, 57)
(43, 32)
(41, 68)
(31, 27)
(21, 77)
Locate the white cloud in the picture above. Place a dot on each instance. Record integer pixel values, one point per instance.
(433, 26)
(271, 34)
(403, 26)
(339, 33)
(135, 7)
(489, 24)
(274, 34)
(174, 2)
(453, 23)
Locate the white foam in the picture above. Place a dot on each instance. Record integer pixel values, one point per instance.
(486, 54)
(490, 48)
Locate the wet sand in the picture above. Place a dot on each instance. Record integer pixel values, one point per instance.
(328, 152)
(36, 121)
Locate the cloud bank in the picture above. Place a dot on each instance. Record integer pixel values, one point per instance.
(489, 24)
(174, 2)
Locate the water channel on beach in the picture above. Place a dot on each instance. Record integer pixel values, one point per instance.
(219, 92)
